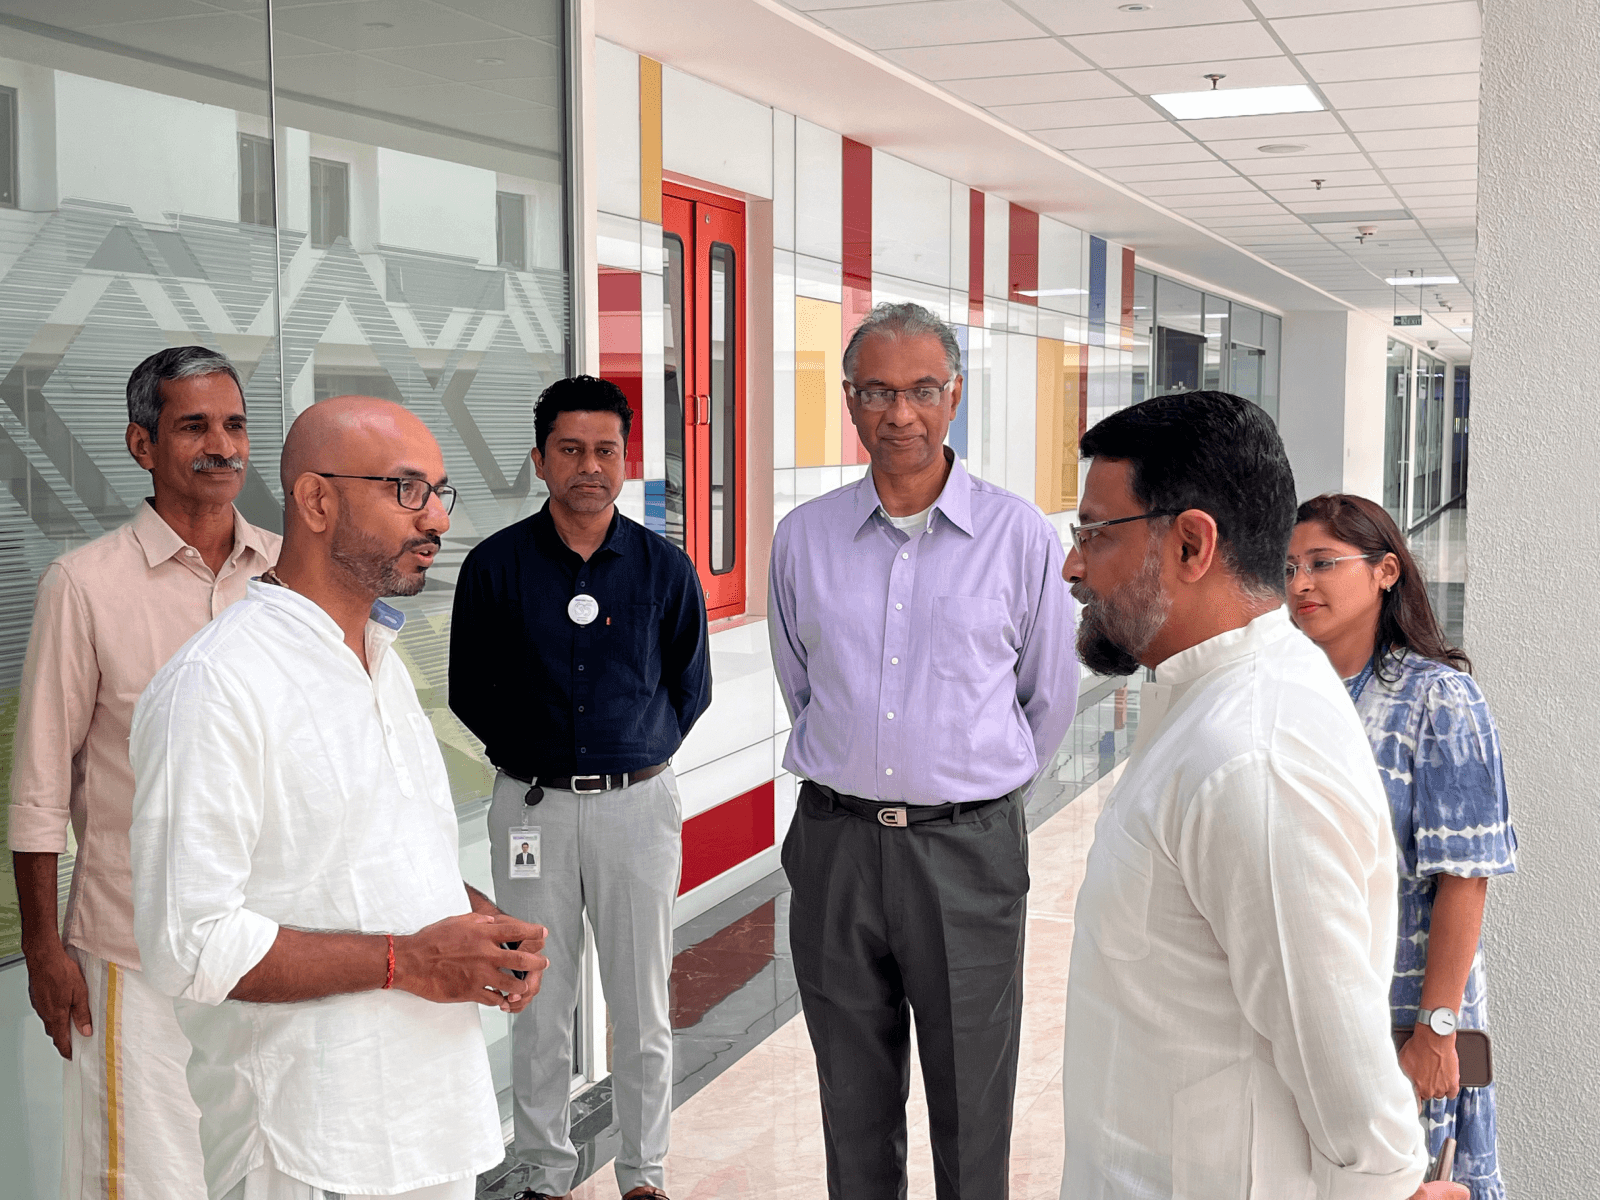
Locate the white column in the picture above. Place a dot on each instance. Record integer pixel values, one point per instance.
(1533, 548)
(1331, 401)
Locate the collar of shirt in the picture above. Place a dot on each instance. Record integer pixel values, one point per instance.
(160, 541)
(1205, 657)
(955, 500)
(383, 622)
(548, 538)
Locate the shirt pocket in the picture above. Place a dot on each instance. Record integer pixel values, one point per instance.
(1115, 897)
(971, 638)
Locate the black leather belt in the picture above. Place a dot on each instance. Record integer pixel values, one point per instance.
(585, 785)
(898, 816)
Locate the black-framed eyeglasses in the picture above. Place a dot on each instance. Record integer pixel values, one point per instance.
(1077, 531)
(878, 399)
(409, 490)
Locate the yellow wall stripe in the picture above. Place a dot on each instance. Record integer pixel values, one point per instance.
(649, 139)
(1055, 471)
(818, 403)
(112, 1035)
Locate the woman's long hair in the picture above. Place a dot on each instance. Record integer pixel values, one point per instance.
(1405, 618)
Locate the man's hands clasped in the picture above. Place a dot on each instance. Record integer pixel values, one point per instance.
(464, 958)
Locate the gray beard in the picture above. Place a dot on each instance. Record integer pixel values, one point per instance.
(1114, 630)
(370, 567)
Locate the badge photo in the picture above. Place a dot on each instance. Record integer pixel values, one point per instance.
(524, 851)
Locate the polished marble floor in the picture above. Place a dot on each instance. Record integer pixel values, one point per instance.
(747, 1122)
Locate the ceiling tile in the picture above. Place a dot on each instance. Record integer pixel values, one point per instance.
(1437, 187)
(1426, 172)
(1392, 62)
(1249, 149)
(1412, 116)
(1197, 187)
(406, 23)
(811, 6)
(1307, 166)
(1308, 199)
(930, 23)
(1420, 139)
(1076, 17)
(1280, 127)
(320, 74)
(1274, 71)
(1197, 44)
(1386, 27)
(1031, 89)
(520, 58)
(976, 59)
(1440, 156)
(95, 14)
(1333, 181)
(1093, 137)
(1128, 156)
(1425, 89)
(1145, 172)
(1199, 207)
(1111, 110)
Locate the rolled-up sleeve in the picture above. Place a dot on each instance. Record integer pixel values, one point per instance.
(60, 680)
(198, 757)
(1297, 882)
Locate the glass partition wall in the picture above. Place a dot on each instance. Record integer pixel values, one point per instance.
(375, 205)
(1201, 341)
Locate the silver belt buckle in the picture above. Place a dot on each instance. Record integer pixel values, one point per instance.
(594, 791)
(895, 818)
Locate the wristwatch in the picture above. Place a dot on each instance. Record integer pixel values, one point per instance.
(1441, 1020)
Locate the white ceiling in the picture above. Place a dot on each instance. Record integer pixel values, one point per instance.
(1396, 148)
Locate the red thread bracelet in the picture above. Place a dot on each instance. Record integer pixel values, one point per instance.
(388, 980)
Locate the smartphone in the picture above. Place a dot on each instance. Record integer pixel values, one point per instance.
(513, 946)
(1443, 1168)
(1474, 1055)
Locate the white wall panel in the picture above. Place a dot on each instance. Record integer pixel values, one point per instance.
(782, 358)
(1061, 267)
(783, 174)
(910, 221)
(818, 278)
(960, 248)
(1114, 297)
(1021, 429)
(712, 134)
(996, 246)
(653, 365)
(785, 794)
(818, 195)
(616, 129)
(997, 371)
(886, 288)
(630, 502)
(616, 241)
(704, 787)
(741, 697)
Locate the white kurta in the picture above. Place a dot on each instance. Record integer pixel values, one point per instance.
(278, 783)
(1227, 1029)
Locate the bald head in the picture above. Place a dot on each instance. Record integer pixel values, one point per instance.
(355, 435)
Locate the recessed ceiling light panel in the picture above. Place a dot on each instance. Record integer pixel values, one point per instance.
(1420, 280)
(1239, 102)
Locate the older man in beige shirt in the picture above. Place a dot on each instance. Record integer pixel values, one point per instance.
(108, 617)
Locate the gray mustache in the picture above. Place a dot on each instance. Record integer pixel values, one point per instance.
(215, 462)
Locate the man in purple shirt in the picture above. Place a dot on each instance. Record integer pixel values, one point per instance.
(923, 639)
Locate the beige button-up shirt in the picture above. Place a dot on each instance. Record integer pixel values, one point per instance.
(108, 617)
(1227, 1031)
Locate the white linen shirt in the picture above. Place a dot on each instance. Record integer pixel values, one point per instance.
(278, 783)
(1227, 1027)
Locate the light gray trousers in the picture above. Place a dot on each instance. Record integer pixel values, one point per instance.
(617, 854)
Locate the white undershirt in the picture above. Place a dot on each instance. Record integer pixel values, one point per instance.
(912, 525)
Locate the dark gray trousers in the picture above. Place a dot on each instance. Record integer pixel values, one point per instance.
(890, 922)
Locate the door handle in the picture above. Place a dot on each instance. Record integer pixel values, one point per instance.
(702, 405)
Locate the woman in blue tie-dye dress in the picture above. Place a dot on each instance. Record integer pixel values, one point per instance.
(1355, 591)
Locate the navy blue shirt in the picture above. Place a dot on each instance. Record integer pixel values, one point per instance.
(550, 697)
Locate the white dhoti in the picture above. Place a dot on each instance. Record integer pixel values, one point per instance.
(266, 1182)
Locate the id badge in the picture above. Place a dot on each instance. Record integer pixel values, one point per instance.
(525, 853)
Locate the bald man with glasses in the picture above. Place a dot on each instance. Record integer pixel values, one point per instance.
(923, 639)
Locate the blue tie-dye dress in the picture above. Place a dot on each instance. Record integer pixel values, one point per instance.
(1439, 755)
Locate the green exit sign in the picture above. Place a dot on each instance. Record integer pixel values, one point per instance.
(1408, 319)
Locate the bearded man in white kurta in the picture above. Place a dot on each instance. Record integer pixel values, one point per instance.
(1227, 1029)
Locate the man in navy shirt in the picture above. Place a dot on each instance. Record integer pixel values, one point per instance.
(579, 655)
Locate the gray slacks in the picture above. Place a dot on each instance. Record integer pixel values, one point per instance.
(617, 854)
(890, 923)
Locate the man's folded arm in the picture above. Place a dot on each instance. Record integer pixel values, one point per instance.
(1281, 862)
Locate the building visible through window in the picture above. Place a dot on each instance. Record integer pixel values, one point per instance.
(255, 180)
(511, 229)
(8, 147)
(330, 202)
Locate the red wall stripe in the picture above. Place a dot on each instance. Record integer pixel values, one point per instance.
(1024, 254)
(856, 252)
(723, 837)
(622, 354)
(1127, 297)
(975, 236)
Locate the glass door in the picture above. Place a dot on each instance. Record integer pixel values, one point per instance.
(703, 309)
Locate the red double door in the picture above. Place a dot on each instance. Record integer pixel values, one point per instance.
(703, 327)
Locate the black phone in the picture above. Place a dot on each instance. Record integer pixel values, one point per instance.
(513, 946)
(1474, 1054)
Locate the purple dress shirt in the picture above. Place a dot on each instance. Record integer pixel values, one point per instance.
(927, 669)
